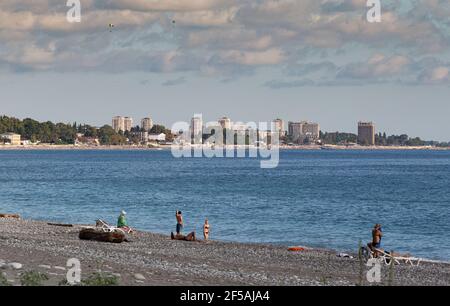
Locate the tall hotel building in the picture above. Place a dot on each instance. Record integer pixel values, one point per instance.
(366, 133)
(300, 131)
(278, 126)
(196, 129)
(146, 124)
(123, 124)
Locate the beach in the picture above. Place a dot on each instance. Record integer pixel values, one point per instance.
(155, 259)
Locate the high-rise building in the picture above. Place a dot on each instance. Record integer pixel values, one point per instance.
(311, 130)
(127, 123)
(118, 124)
(302, 131)
(366, 133)
(225, 123)
(123, 124)
(146, 124)
(278, 126)
(197, 129)
(295, 130)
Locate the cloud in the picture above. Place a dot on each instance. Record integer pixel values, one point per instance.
(251, 58)
(321, 42)
(280, 84)
(436, 75)
(376, 67)
(174, 82)
(165, 5)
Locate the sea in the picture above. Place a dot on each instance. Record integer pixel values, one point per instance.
(318, 198)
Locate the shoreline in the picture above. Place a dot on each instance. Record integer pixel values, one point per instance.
(154, 259)
(46, 147)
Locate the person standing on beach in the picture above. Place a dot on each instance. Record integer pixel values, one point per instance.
(377, 234)
(179, 222)
(206, 230)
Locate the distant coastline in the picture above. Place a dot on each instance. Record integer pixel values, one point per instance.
(167, 147)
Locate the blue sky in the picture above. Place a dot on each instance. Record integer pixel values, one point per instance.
(250, 60)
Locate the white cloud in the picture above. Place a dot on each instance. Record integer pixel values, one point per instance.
(269, 57)
(223, 37)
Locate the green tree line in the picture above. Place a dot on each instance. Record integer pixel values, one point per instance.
(66, 133)
(59, 133)
(47, 132)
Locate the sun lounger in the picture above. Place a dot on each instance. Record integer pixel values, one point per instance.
(100, 224)
(387, 257)
(413, 261)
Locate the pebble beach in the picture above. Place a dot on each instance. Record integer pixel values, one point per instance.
(154, 259)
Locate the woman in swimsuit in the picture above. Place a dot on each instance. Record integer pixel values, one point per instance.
(206, 230)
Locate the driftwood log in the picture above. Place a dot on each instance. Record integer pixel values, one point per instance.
(60, 224)
(100, 235)
(9, 216)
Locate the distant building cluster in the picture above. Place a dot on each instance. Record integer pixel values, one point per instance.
(297, 133)
(143, 132)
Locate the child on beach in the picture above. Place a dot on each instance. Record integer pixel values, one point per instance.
(206, 230)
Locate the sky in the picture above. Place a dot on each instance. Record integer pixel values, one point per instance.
(251, 60)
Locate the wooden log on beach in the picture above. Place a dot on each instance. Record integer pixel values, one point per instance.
(10, 216)
(60, 224)
(102, 236)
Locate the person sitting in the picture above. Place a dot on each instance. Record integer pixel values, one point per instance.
(189, 237)
(122, 222)
(377, 234)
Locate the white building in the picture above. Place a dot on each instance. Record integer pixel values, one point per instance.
(278, 126)
(240, 127)
(157, 137)
(10, 138)
(225, 123)
(196, 129)
(128, 123)
(123, 124)
(118, 124)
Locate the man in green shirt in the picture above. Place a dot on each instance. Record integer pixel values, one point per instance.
(122, 222)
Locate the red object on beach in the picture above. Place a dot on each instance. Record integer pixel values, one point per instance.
(9, 216)
(296, 249)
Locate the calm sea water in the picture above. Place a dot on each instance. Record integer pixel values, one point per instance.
(318, 198)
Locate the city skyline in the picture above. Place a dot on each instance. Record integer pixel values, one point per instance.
(126, 123)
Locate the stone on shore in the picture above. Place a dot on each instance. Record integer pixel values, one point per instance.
(139, 276)
(12, 266)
